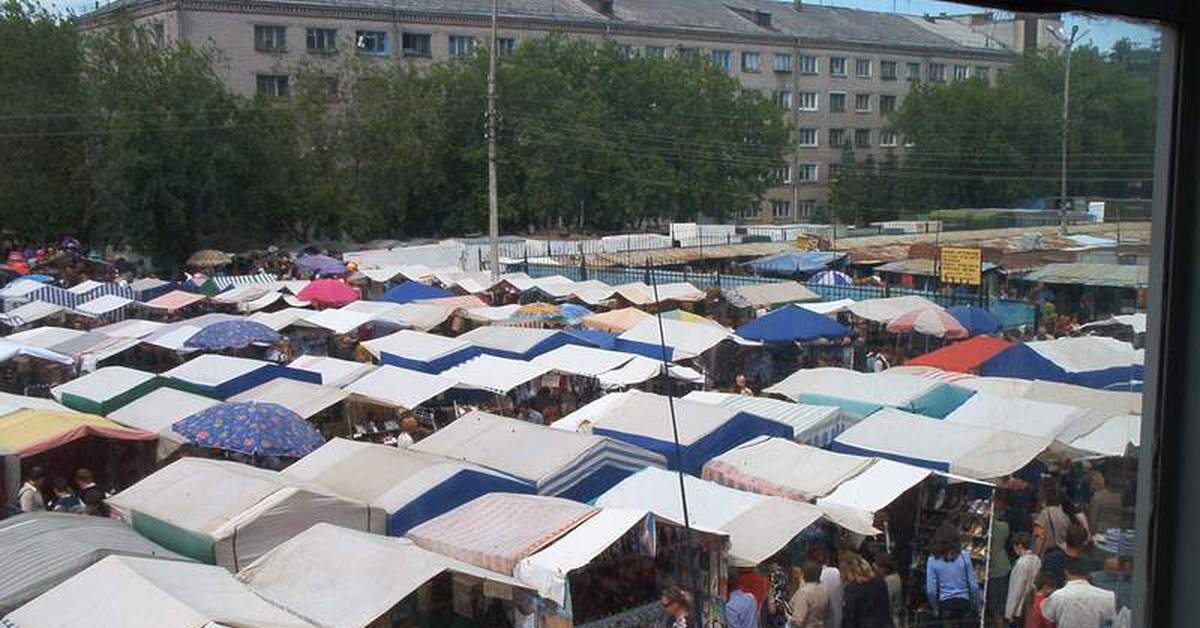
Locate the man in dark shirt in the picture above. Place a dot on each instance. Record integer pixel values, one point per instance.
(1055, 559)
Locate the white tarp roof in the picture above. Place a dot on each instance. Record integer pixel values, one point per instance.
(10, 349)
(807, 421)
(158, 411)
(338, 321)
(1113, 437)
(10, 403)
(103, 384)
(494, 374)
(877, 486)
(805, 472)
(170, 336)
(131, 328)
(490, 314)
(510, 339)
(767, 294)
(758, 526)
(548, 569)
(1087, 353)
(1136, 322)
(281, 319)
(303, 398)
(589, 413)
(20, 287)
(245, 510)
(649, 415)
(594, 292)
(678, 291)
(423, 316)
(829, 307)
(399, 387)
(31, 312)
(342, 578)
(583, 361)
(214, 370)
(688, 339)
(977, 453)
(884, 310)
(128, 592)
(333, 371)
(248, 292)
(103, 305)
(1040, 418)
(888, 389)
(45, 337)
(641, 369)
(414, 345)
(85, 287)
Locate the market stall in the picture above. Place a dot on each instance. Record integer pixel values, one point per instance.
(106, 389)
(222, 376)
(157, 412)
(811, 424)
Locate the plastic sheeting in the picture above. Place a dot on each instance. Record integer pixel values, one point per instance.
(229, 514)
(342, 578)
(40, 550)
(128, 592)
(400, 388)
(496, 531)
(574, 465)
(758, 526)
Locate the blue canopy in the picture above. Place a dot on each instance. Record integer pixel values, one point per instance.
(976, 320)
(1022, 362)
(792, 324)
(831, 278)
(593, 338)
(264, 429)
(409, 291)
(794, 262)
(233, 334)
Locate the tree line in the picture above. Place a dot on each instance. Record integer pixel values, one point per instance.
(108, 136)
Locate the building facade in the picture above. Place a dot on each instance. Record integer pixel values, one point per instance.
(839, 72)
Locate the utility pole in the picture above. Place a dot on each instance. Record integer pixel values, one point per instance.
(1066, 122)
(493, 184)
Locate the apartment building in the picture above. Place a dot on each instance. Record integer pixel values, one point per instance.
(838, 71)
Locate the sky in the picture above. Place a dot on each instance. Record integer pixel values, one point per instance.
(1099, 31)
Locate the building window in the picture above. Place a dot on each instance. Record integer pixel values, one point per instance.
(914, 71)
(808, 172)
(887, 104)
(781, 209)
(837, 66)
(862, 68)
(862, 138)
(782, 174)
(837, 138)
(888, 139)
(982, 71)
(937, 72)
(887, 70)
(962, 72)
(160, 35)
(783, 98)
(506, 46)
(806, 208)
(371, 42)
(723, 59)
(837, 102)
(862, 103)
(321, 39)
(751, 62)
(808, 137)
(417, 44)
(783, 62)
(462, 45)
(270, 38)
(689, 53)
(627, 51)
(656, 52)
(808, 101)
(808, 64)
(272, 85)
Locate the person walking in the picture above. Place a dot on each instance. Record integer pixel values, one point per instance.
(1051, 523)
(831, 579)
(1079, 604)
(885, 566)
(1022, 579)
(1047, 583)
(1056, 558)
(865, 602)
(741, 610)
(998, 564)
(1105, 509)
(950, 582)
(810, 603)
(30, 495)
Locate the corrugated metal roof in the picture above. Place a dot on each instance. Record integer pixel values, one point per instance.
(686, 255)
(1112, 275)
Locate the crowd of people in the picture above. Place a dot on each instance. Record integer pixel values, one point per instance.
(82, 495)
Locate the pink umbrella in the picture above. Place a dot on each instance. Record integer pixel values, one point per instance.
(328, 293)
(931, 321)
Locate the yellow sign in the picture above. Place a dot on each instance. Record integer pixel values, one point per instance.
(961, 265)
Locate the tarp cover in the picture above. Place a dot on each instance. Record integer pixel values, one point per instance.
(31, 432)
(342, 578)
(776, 466)
(811, 424)
(497, 530)
(104, 389)
(683, 339)
(409, 291)
(618, 321)
(333, 372)
(963, 357)
(771, 294)
(494, 374)
(583, 361)
(1091, 361)
(401, 388)
(158, 411)
(758, 525)
(888, 309)
(303, 398)
(128, 592)
(792, 323)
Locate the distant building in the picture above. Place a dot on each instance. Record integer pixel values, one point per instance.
(838, 71)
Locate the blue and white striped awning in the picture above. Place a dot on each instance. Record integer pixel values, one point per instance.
(228, 281)
(69, 299)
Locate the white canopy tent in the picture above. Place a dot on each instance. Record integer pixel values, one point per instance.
(338, 321)
(129, 592)
(303, 398)
(30, 313)
(104, 389)
(10, 349)
(641, 369)
(493, 374)
(342, 578)
(883, 389)
(333, 371)
(887, 309)
(415, 345)
(397, 387)
(1062, 422)
(229, 514)
(583, 361)
(758, 526)
(158, 411)
(687, 339)
(102, 305)
(811, 424)
(829, 307)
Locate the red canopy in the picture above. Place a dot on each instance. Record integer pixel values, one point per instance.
(962, 357)
(328, 293)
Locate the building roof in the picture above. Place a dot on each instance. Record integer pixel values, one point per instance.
(1112, 275)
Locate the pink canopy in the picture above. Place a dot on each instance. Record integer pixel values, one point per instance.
(328, 293)
(931, 321)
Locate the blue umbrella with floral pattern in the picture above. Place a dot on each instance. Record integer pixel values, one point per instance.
(251, 428)
(234, 334)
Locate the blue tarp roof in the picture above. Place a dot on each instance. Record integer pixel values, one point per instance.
(409, 291)
(593, 337)
(794, 262)
(1021, 362)
(792, 323)
(976, 320)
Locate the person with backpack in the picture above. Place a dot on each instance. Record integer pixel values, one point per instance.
(950, 582)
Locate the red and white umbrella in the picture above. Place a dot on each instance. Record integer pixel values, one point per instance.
(931, 321)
